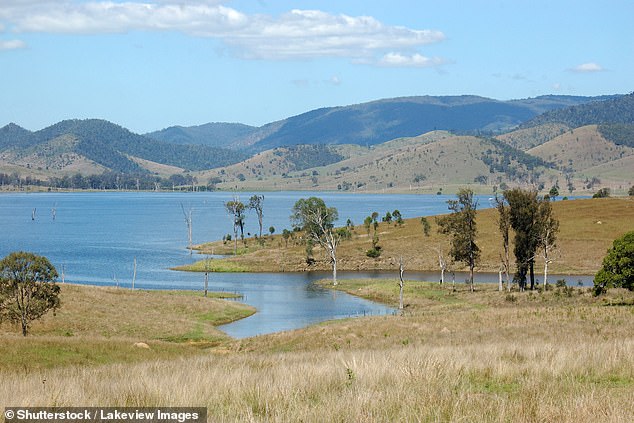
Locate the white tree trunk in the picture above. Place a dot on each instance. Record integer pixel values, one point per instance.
(400, 296)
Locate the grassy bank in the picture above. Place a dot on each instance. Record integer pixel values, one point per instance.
(560, 355)
(97, 325)
(587, 230)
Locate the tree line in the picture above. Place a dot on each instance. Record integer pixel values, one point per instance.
(111, 181)
(523, 213)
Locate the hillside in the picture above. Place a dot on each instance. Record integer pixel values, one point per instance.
(579, 149)
(90, 146)
(427, 162)
(587, 229)
(383, 120)
(217, 134)
(372, 146)
(613, 110)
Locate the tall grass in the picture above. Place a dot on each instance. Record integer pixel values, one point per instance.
(496, 382)
(546, 357)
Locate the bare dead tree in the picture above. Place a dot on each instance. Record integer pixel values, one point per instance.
(188, 222)
(548, 238)
(442, 263)
(401, 283)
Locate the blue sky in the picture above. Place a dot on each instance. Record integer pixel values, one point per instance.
(150, 64)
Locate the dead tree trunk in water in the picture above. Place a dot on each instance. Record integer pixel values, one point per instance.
(188, 222)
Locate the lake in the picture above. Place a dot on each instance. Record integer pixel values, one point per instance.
(95, 238)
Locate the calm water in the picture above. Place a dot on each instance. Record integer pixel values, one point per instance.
(95, 238)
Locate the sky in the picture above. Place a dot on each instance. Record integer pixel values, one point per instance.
(151, 64)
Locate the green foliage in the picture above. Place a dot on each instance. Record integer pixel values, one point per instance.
(312, 216)
(309, 156)
(387, 218)
(602, 193)
(524, 221)
(236, 210)
(111, 146)
(398, 217)
(461, 225)
(513, 162)
(617, 269)
(374, 252)
(426, 225)
(27, 288)
(256, 202)
(618, 133)
(630, 192)
(615, 110)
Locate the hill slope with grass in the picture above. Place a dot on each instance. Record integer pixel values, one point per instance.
(587, 229)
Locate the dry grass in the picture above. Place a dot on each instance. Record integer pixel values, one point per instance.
(587, 230)
(98, 325)
(541, 358)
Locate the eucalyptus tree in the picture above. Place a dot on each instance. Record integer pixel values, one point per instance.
(524, 220)
(256, 202)
(27, 288)
(236, 210)
(461, 225)
(312, 216)
(504, 226)
(547, 237)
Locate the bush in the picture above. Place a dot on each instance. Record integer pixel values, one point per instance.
(373, 252)
(617, 269)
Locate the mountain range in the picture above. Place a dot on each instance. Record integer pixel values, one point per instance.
(394, 144)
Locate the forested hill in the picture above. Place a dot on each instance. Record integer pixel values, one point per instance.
(618, 110)
(216, 134)
(113, 146)
(383, 120)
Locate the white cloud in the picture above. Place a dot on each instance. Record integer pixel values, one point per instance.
(12, 44)
(414, 60)
(588, 68)
(293, 35)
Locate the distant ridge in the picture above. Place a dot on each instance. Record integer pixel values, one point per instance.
(612, 110)
(216, 134)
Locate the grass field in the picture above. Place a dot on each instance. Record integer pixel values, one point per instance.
(560, 355)
(98, 325)
(587, 230)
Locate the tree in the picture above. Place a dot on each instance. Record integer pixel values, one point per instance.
(504, 225)
(188, 222)
(524, 221)
(373, 221)
(602, 193)
(27, 288)
(396, 215)
(554, 191)
(256, 202)
(461, 225)
(426, 225)
(547, 237)
(617, 270)
(236, 209)
(387, 218)
(317, 221)
(631, 191)
(286, 234)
